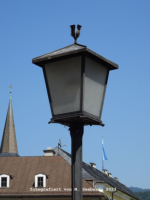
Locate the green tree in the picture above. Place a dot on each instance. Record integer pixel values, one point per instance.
(143, 195)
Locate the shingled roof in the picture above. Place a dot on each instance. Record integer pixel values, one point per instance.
(9, 142)
(22, 171)
(90, 172)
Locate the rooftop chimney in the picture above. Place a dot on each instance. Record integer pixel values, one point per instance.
(93, 164)
(109, 174)
(49, 152)
(105, 171)
(116, 178)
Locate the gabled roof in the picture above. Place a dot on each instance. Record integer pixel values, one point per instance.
(24, 169)
(9, 142)
(98, 176)
(68, 51)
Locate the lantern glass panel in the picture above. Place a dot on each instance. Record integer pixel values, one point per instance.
(94, 86)
(64, 84)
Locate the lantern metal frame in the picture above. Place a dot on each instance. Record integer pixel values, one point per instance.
(71, 51)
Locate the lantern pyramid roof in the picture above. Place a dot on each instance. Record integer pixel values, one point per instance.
(69, 51)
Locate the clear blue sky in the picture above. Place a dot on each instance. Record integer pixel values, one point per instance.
(117, 30)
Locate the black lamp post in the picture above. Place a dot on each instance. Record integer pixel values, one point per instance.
(76, 80)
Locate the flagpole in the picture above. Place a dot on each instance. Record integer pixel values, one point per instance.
(102, 156)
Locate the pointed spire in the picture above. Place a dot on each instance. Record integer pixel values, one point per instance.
(9, 143)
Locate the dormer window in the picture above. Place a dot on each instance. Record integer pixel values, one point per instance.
(4, 180)
(40, 180)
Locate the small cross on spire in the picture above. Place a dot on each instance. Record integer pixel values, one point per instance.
(10, 90)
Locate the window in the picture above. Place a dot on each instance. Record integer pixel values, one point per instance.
(40, 181)
(4, 182)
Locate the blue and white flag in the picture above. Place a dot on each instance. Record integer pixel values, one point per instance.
(104, 154)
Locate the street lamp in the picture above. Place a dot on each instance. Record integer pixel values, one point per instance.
(76, 80)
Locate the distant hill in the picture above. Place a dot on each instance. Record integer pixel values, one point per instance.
(136, 189)
(143, 195)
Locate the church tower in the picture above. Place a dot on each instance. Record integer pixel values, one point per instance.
(9, 142)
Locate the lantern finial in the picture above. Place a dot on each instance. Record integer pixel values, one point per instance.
(75, 33)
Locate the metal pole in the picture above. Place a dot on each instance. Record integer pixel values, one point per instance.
(76, 132)
(113, 195)
(58, 149)
(102, 156)
(102, 164)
